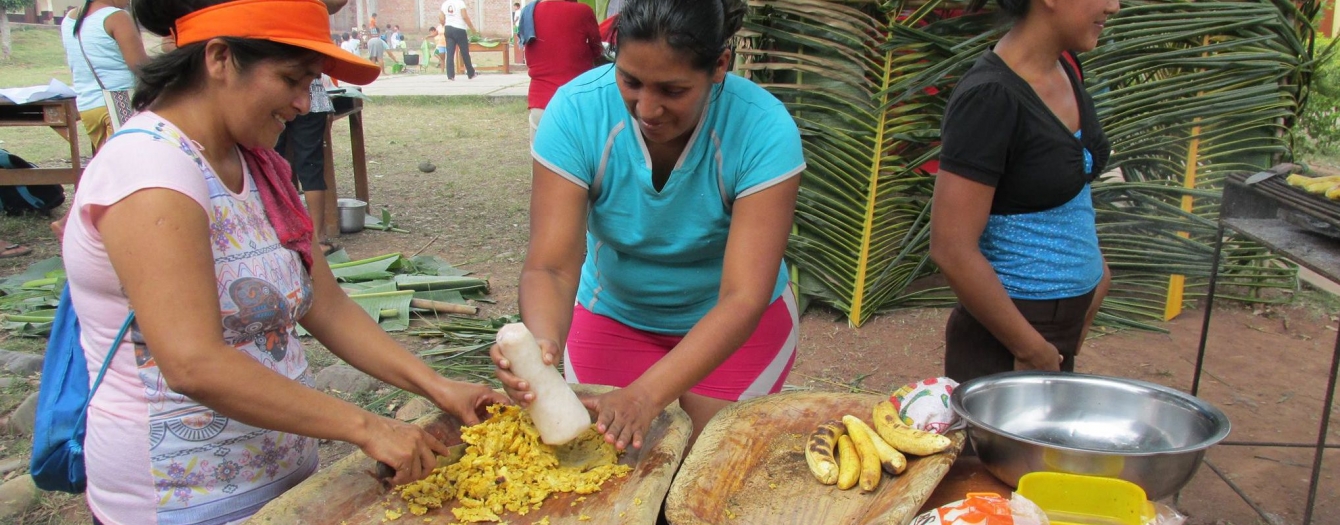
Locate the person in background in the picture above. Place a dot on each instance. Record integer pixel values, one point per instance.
(1012, 219)
(350, 43)
(113, 46)
(456, 21)
(439, 35)
(377, 51)
(207, 411)
(663, 193)
(372, 23)
(516, 32)
(565, 44)
(395, 43)
(301, 144)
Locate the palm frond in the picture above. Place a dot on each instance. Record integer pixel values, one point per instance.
(867, 81)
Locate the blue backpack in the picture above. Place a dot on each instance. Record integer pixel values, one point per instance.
(62, 403)
(24, 199)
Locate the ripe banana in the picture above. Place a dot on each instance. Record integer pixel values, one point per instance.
(849, 464)
(1318, 185)
(890, 459)
(819, 451)
(904, 438)
(865, 448)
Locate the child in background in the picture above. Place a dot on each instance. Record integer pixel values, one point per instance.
(439, 34)
(349, 44)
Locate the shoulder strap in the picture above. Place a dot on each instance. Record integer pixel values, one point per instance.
(79, 37)
(111, 353)
(1070, 58)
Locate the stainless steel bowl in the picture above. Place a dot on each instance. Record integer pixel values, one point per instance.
(1141, 432)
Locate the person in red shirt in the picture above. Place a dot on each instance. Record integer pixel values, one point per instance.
(566, 43)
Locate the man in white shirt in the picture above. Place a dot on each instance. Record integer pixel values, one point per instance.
(453, 16)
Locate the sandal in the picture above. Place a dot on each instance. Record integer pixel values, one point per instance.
(14, 250)
(328, 247)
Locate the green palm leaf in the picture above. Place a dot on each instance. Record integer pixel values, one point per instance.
(857, 87)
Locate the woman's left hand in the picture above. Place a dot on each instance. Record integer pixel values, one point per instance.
(467, 401)
(624, 416)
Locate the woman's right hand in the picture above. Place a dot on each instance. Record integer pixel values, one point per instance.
(1045, 357)
(517, 388)
(408, 449)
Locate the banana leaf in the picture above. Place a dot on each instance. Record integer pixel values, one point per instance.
(427, 265)
(389, 309)
(446, 296)
(374, 286)
(35, 271)
(365, 267)
(425, 283)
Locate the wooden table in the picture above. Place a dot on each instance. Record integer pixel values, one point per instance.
(504, 48)
(60, 115)
(352, 108)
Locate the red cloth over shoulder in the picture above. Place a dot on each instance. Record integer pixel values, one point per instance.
(279, 197)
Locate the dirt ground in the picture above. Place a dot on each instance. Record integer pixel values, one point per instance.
(1265, 367)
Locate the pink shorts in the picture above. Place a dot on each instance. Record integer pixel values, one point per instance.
(603, 351)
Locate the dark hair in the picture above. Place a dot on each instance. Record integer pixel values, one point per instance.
(1013, 8)
(181, 69)
(701, 29)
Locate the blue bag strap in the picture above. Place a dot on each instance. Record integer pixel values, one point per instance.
(111, 352)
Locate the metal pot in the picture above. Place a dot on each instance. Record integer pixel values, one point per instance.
(1148, 434)
(352, 213)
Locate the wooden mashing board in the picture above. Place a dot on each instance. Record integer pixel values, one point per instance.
(748, 467)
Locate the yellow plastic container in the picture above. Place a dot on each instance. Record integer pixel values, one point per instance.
(1072, 499)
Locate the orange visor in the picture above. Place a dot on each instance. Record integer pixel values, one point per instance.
(301, 23)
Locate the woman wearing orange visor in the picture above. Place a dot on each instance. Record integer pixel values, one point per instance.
(188, 216)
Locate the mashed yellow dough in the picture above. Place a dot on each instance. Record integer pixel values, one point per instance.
(506, 468)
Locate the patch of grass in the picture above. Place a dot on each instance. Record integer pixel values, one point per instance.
(38, 56)
(1320, 304)
(317, 356)
(438, 101)
(27, 345)
(14, 394)
(56, 508)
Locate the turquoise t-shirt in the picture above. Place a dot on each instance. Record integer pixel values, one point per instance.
(654, 259)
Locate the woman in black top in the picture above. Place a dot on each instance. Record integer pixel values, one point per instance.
(1012, 222)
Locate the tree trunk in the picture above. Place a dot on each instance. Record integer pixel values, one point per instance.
(5, 42)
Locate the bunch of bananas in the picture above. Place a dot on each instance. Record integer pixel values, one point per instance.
(848, 451)
(1328, 186)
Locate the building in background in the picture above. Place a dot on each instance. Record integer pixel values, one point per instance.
(1328, 24)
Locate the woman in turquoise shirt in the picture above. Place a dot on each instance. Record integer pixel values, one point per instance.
(678, 181)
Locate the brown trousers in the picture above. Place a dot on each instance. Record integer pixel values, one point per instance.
(971, 351)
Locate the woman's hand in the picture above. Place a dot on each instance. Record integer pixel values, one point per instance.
(517, 388)
(407, 448)
(467, 401)
(1045, 357)
(624, 416)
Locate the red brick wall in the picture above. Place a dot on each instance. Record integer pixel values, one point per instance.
(1327, 19)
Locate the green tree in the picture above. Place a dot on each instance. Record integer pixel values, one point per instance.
(6, 6)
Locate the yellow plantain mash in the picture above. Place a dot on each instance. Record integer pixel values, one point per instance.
(506, 468)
